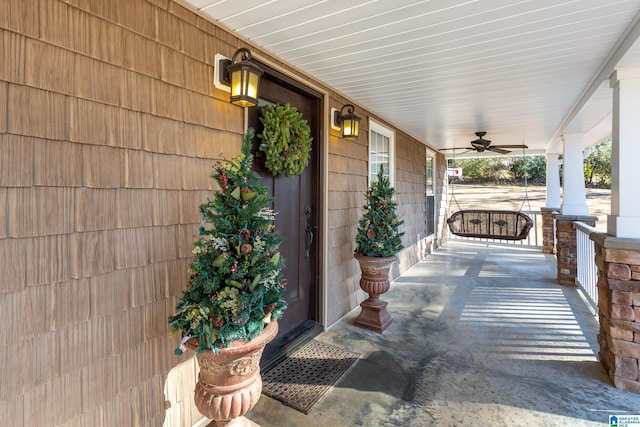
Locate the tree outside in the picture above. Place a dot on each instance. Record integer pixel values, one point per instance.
(516, 169)
(597, 166)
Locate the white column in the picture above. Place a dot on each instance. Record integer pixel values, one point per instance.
(624, 220)
(574, 195)
(553, 181)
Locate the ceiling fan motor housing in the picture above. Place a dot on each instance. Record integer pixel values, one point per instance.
(480, 144)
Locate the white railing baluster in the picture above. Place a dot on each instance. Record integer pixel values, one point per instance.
(587, 274)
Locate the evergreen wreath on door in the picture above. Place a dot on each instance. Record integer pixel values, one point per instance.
(286, 139)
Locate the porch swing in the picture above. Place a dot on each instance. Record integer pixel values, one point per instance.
(491, 224)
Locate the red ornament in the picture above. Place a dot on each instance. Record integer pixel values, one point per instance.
(224, 179)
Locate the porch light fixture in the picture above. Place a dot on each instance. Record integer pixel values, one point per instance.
(349, 122)
(241, 76)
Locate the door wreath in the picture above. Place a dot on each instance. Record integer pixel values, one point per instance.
(286, 139)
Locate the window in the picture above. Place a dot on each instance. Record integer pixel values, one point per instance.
(431, 196)
(381, 151)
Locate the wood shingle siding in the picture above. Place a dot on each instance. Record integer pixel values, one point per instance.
(109, 127)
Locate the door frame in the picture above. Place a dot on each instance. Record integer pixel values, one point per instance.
(317, 310)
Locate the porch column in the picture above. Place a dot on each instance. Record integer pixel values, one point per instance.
(618, 251)
(573, 208)
(574, 195)
(618, 262)
(624, 220)
(552, 205)
(553, 181)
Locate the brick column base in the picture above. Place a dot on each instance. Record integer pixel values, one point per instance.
(566, 246)
(618, 262)
(548, 235)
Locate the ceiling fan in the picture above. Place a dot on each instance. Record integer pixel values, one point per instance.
(482, 144)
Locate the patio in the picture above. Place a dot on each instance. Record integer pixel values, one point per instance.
(482, 335)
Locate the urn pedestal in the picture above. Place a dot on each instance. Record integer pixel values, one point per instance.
(229, 383)
(375, 282)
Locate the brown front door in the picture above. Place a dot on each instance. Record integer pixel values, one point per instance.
(296, 202)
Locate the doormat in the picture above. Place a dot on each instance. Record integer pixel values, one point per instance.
(301, 379)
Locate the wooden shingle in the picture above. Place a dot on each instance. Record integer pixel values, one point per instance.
(131, 247)
(21, 17)
(166, 207)
(163, 243)
(106, 41)
(91, 253)
(161, 135)
(101, 166)
(109, 293)
(167, 172)
(139, 278)
(4, 86)
(71, 303)
(17, 161)
(40, 211)
(137, 168)
(43, 60)
(95, 209)
(195, 173)
(142, 55)
(47, 262)
(134, 208)
(13, 264)
(167, 100)
(57, 163)
(99, 81)
(35, 112)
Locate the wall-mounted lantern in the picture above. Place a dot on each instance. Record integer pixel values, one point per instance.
(239, 76)
(349, 123)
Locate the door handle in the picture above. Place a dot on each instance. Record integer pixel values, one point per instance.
(307, 252)
(309, 230)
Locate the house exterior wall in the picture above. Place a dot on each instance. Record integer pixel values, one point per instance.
(108, 133)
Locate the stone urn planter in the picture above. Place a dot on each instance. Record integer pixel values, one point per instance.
(230, 384)
(375, 282)
(378, 240)
(235, 291)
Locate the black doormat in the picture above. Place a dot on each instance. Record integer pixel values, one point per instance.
(301, 379)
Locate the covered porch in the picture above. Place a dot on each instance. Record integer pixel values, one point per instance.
(483, 334)
(112, 122)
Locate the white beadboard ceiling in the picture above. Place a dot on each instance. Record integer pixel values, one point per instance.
(524, 71)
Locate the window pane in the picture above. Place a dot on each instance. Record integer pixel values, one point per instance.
(431, 215)
(429, 175)
(379, 155)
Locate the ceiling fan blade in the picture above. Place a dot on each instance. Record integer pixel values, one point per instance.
(466, 150)
(511, 146)
(455, 148)
(498, 150)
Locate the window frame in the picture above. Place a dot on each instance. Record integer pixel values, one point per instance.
(430, 192)
(391, 135)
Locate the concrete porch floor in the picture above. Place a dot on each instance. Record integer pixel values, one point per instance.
(482, 336)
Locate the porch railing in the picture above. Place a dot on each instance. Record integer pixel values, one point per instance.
(587, 274)
(533, 239)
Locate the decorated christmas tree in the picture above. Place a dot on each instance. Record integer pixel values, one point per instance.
(378, 234)
(235, 283)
